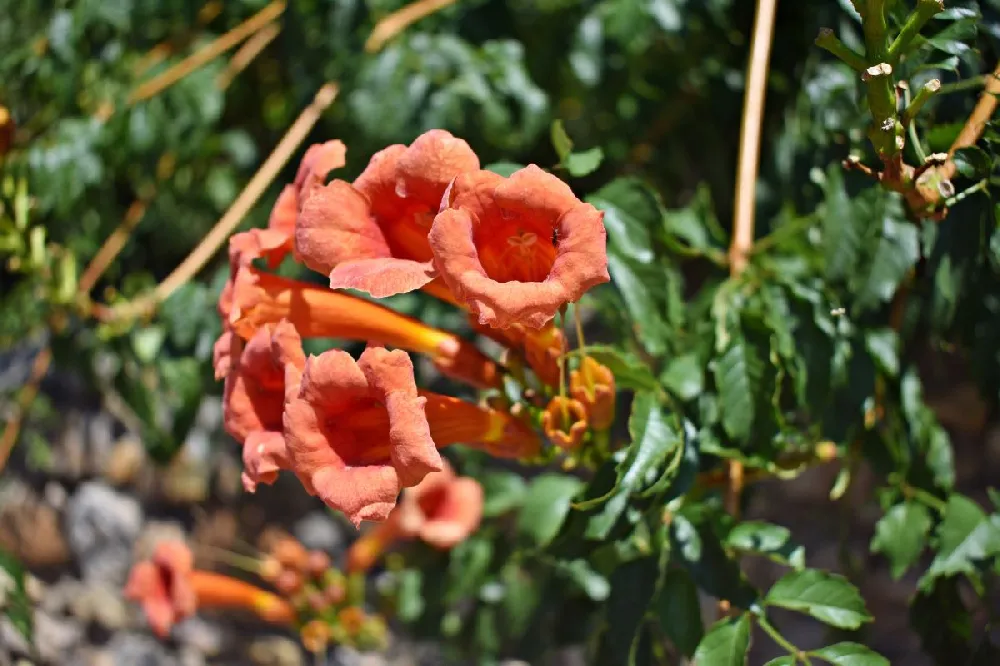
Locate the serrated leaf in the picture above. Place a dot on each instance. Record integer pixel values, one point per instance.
(883, 345)
(772, 541)
(737, 373)
(631, 211)
(966, 536)
(842, 231)
(629, 371)
(503, 491)
(850, 654)
(897, 250)
(560, 140)
(654, 439)
(633, 283)
(584, 162)
(827, 597)
(545, 506)
(725, 644)
(901, 535)
(684, 376)
(679, 611)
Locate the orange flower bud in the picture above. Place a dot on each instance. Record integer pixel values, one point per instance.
(318, 563)
(291, 554)
(593, 385)
(289, 582)
(315, 636)
(565, 422)
(351, 619)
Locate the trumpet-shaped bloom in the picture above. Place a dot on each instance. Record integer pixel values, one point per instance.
(372, 235)
(515, 250)
(593, 385)
(163, 586)
(564, 422)
(357, 433)
(317, 312)
(443, 510)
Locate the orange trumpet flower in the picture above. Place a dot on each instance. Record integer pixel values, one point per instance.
(443, 510)
(516, 250)
(260, 298)
(372, 235)
(564, 422)
(593, 385)
(170, 590)
(358, 432)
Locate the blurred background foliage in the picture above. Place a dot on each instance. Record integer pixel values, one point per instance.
(813, 343)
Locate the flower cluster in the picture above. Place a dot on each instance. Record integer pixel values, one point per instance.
(512, 252)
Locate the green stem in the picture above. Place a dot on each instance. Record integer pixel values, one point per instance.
(829, 41)
(963, 85)
(887, 132)
(926, 91)
(875, 27)
(925, 10)
(781, 640)
(924, 497)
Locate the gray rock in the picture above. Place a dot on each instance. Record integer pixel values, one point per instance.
(138, 650)
(319, 530)
(275, 651)
(101, 526)
(200, 636)
(56, 637)
(101, 604)
(345, 656)
(11, 639)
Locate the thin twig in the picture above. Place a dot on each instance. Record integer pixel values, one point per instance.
(746, 180)
(207, 53)
(398, 21)
(39, 367)
(974, 126)
(111, 247)
(260, 181)
(246, 54)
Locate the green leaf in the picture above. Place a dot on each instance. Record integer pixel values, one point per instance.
(631, 210)
(560, 140)
(850, 654)
(409, 595)
(503, 491)
(654, 438)
(14, 602)
(633, 282)
(725, 644)
(972, 162)
(966, 536)
(545, 507)
(504, 169)
(883, 345)
(697, 547)
(772, 541)
(901, 535)
(684, 376)
(897, 250)
(632, 588)
(679, 611)
(737, 373)
(827, 597)
(584, 163)
(842, 230)
(629, 371)
(787, 660)
(593, 584)
(146, 342)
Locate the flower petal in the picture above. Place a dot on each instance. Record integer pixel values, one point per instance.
(362, 493)
(382, 277)
(320, 159)
(264, 455)
(335, 224)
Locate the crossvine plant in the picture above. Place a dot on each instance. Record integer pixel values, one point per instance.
(722, 355)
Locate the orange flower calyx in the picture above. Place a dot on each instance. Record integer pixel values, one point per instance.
(564, 422)
(372, 235)
(593, 385)
(516, 250)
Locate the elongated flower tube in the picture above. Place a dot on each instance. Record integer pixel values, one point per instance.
(372, 235)
(443, 510)
(317, 312)
(516, 250)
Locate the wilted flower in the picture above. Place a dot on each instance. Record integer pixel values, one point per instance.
(516, 250)
(163, 586)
